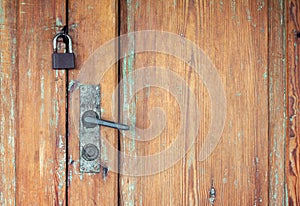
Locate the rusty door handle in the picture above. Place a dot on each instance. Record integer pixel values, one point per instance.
(93, 120)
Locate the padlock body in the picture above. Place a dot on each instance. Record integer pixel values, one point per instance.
(63, 61)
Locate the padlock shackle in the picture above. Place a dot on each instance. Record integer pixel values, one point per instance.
(70, 50)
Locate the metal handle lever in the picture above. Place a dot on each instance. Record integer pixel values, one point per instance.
(106, 123)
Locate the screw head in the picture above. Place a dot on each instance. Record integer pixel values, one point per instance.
(90, 152)
(82, 88)
(97, 167)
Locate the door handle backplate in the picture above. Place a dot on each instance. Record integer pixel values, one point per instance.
(89, 131)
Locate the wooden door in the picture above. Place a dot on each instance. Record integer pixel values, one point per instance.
(248, 52)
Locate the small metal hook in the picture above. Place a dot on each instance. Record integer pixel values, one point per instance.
(64, 30)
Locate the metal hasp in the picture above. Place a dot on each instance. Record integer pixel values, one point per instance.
(89, 131)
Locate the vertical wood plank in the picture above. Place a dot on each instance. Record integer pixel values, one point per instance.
(92, 23)
(277, 103)
(8, 106)
(234, 34)
(41, 135)
(293, 85)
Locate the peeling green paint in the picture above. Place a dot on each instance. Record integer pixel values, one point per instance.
(75, 164)
(70, 177)
(58, 22)
(2, 15)
(29, 73)
(249, 18)
(260, 5)
(233, 9)
(61, 174)
(277, 87)
(104, 157)
(73, 26)
(7, 108)
(61, 142)
(136, 5)
(129, 104)
(1, 58)
(73, 85)
(102, 110)
(265, 75)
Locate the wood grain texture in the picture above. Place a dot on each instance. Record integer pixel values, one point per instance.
(92, 23)
(234, 34)
(40, 156)
(293, 85)
(8, 107)
(277, 103)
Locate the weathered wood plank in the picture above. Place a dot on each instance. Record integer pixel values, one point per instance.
(293, 85)
(40, 156)
(8, 105)
(234, 35)
(92, 23)
(277, 102)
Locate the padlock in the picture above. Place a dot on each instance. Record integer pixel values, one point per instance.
(63, 60)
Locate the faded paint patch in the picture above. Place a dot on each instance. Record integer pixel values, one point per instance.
(73, 85)
(7, 107)
(233, 10)
(260, 5)
(75, 164)
(2, 14)
(73, 26)
(129, 106)
(60, 142)
(61, 174)
(265, 75)
(58, 22)
(249, 18)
